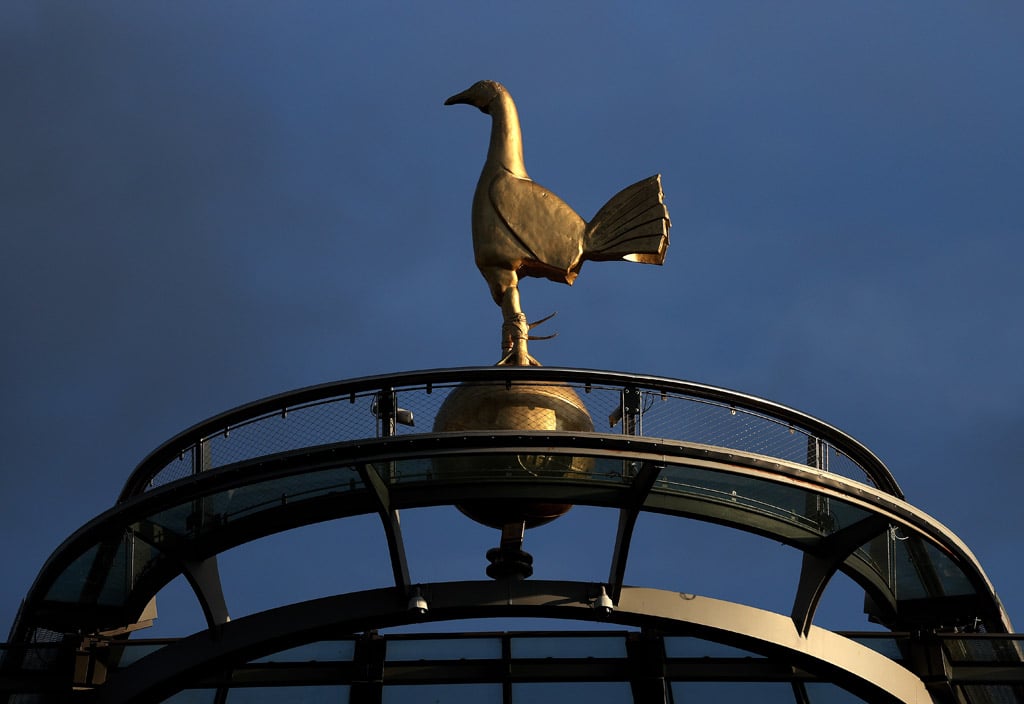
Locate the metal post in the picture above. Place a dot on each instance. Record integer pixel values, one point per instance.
(368, 686)
(818, 508)
(646, 655)
(632, 418)
(631, 415)
(385, 411)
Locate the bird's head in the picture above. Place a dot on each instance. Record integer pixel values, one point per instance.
(480, 95)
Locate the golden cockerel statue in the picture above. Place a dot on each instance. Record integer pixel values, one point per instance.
(522, 229)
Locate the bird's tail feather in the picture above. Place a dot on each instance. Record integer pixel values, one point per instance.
(633, 225)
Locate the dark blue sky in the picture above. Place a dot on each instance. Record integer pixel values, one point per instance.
(206, 203)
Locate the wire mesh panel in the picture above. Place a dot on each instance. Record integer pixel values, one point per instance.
(413, 404)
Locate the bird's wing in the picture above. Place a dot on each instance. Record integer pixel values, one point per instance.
(543, 223)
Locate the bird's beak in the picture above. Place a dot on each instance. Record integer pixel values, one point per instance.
(458, 98)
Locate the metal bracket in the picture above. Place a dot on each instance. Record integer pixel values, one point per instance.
(629, 412)
(820, 565)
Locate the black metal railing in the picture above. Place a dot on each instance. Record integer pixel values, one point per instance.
(407, 403)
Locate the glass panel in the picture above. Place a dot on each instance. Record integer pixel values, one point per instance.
(923, 571)
(843, 515)
(985, 650)
(991, 693)
(193, 696)
(445, 649)
(877, 553)
(133, 558)
(177, 520)
(687, 647)
(561, 692)
(117, 582)
(760, 692)
(414, 470)
(789, 503)
(247, 500)
(273, 695)
(129, 557)
(568, 647)
(69, 586)
(126, 558)
(828, 693)
(320, 651)
(793, 505)
(195, 516)
(442, 694)
(551, 465)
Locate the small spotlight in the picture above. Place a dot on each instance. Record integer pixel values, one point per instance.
(417, 604)
(403, 416)
(603, 604)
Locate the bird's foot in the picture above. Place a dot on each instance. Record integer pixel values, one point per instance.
(514, 334)
(518, 358)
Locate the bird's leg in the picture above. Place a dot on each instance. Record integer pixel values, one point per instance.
(515, 331)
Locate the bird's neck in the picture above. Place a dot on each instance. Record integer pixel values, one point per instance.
(506, 137)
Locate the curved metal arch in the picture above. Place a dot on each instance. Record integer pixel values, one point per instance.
(146, 470)
(497, 443)
(832, 657)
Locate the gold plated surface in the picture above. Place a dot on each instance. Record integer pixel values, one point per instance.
(519, 407)
(522, 229)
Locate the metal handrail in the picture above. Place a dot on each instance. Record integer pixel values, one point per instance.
(819, 433)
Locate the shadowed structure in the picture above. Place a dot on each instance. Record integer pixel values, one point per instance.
(680, 450)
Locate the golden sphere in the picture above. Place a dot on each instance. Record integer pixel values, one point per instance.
(526, 407)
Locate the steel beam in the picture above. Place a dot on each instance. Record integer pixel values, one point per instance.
(392, 525)
(854, 667)
(636, 495)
